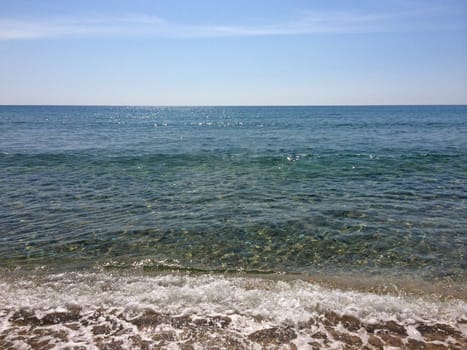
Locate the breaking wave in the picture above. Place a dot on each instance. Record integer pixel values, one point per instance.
(117, 311)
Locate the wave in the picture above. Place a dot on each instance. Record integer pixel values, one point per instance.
(108, 310)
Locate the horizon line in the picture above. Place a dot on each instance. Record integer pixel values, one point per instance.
(235, 105)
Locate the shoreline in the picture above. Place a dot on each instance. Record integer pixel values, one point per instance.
(381, 282)
(113, 311)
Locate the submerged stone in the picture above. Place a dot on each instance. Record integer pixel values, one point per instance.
(274, 335)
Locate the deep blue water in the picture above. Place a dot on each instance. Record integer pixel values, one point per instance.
(293, 189)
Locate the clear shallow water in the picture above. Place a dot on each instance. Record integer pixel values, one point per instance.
(113, 220)
(283, 189)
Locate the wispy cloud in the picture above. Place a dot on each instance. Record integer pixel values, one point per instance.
(144, 25)
(14, 29)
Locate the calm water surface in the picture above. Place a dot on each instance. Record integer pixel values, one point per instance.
(282, 189)
(137, 227)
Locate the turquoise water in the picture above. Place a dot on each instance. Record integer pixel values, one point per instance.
(264, 189)
(233, 227)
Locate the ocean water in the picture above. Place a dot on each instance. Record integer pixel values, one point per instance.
(269, 227)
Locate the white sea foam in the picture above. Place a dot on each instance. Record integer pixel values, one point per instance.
(250, 304)
(272, 299)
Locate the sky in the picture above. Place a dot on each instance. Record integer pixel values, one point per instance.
(242, 52)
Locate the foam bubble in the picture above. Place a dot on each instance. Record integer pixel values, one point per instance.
(175, 309)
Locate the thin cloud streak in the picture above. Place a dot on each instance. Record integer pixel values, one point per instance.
(143, 25)
(133, 25)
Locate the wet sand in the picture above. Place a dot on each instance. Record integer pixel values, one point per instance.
(175, 311)
(79, 329)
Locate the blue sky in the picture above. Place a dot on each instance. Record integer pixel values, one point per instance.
(220, 52)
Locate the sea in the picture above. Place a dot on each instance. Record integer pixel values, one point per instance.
(321, 227)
